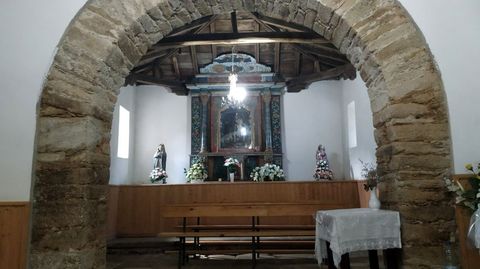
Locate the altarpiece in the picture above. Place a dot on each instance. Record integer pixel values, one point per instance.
(249, 131)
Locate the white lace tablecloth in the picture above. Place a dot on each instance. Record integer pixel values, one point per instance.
(355, 229)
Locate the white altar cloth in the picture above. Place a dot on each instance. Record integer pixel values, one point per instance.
(355, 229)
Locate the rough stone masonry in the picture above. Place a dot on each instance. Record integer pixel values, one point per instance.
(107, 38)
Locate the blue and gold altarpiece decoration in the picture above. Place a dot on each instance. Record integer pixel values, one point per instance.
(249, 131)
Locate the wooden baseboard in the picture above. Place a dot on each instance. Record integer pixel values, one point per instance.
(14, 223)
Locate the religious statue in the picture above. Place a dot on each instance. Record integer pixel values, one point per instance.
(322, 171)
(160, 158)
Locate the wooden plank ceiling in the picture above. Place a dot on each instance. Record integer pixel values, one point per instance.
(297, 54)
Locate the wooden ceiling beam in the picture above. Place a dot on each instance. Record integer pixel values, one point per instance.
(157, 71)
(176, 69)
(214, 48)
(154, 53)
(176, 86)
(146, 62)
(262, 23)
(276, 65)
(329, 61)
(202, 22)
(282, 24)
(233, 18)
(173, 43)
(193, 55)
(298, 63)
(333, 55)
(257, 46)
(316, 66)
(299, 47)
(240, 38)
(301, 82)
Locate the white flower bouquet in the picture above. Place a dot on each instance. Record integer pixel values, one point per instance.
(157, 175)
(196, 172)
(267, 172)
(232, 164)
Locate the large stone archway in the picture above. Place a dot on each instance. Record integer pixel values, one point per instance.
(108, 37)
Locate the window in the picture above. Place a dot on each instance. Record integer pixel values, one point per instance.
(123, 133)
(352, 126)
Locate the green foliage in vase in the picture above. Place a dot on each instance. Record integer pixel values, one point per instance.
(369, 172)
(468, 197)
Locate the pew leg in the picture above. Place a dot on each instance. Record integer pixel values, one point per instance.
(258, 238)
(373, 259)
(180, 253)
(254, 252)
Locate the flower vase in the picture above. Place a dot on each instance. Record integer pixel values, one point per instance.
(196, 181)
(374, 203)
(232, 177)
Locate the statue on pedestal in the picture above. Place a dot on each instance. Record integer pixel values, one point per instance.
(322, 171)
(158, 173)
(160, 158)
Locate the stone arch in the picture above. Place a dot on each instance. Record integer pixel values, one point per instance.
(108, 37)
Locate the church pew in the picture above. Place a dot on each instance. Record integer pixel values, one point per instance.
(255, 231)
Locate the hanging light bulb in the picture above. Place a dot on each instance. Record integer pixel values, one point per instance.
(236, 94)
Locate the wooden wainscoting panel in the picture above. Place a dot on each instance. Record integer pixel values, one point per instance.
(112, 211)
(363, 195)
(140, 206)
(14, 223)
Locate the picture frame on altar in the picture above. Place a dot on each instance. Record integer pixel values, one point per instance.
(236, 128)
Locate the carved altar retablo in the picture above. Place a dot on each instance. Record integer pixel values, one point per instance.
(250, 130)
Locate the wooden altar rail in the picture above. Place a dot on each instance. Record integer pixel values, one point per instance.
(140, 207)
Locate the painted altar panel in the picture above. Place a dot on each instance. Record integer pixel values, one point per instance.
(276, 125)
(236, 129)
(196, 124)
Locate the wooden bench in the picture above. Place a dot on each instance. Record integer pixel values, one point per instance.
(255, 230)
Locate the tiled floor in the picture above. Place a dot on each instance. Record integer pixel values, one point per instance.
(169, 261)
(155, 253)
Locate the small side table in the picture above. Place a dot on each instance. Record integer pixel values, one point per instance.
(347, 230)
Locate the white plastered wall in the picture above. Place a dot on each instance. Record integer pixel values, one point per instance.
(31, 29)
(121, 169)
(161, 118)
(312, 117)
(355, 91)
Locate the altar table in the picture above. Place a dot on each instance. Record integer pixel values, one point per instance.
(348, 230)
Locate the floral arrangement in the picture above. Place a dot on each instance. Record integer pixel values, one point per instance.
(467, 197)
(267, 172)
(196, 171)
(157, 175)
(232, 164)
(369, 172)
